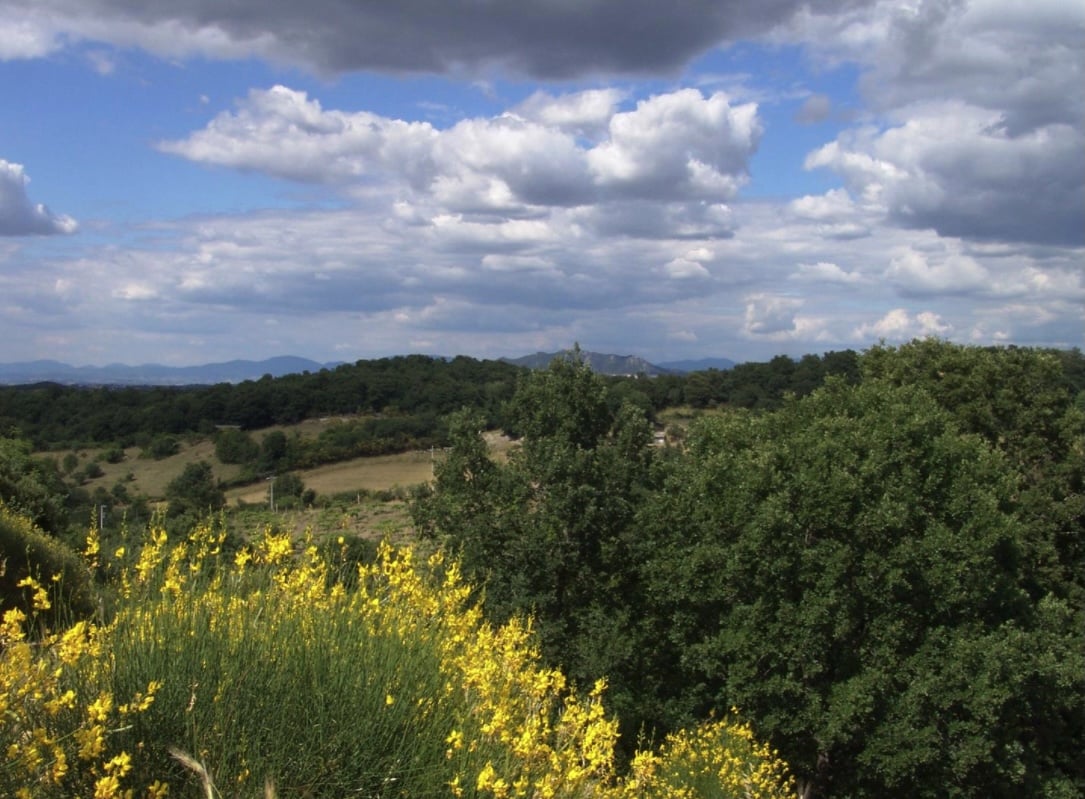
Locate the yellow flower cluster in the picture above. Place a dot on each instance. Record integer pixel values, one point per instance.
(540, 739)
(55, 736)
(720, 758)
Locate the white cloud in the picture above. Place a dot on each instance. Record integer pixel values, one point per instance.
(834, 214)
(767, 314)
(21, 217)
(584, 113)
(585, 215)
(913, 274)
(285, 134)
(678, 144)
(825, 272)
(900, 325)
(26, 35)
(685, 269)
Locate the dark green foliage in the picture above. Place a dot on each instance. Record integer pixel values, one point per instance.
(343, 440)
(842, 570)
(26, 551)
(764, 385)
(548, 532)
(114, 454)
(1021, 402)
(162, 446)
(51, 416)
(92, 470)
(31, 486)
(274, 453)
(290, 492)
(194, 493)
(233, 445)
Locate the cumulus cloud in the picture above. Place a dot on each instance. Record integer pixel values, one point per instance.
(900, 325)
(950, 168)
(960, 191)
(681, 145)
(585, 113)
(825, 272)
(690, 265)
(532, 37)
(767, 314)
(284, 133)
(1021, 60)
(914, 274)
(834, 215)
(21, 217)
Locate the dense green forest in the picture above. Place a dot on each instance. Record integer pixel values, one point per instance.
(878, 558)
(416, 387)
(887, 575)
(51, 416)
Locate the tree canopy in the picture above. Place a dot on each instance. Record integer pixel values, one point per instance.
(883, 573)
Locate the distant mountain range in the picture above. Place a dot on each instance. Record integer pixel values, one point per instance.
(152, 374)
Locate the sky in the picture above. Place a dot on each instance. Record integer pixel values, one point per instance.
(195, 181)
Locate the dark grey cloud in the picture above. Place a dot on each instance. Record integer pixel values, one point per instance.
(550, 39)
(980, 126)
(1023, 61)
(19, 216)
(949, 168)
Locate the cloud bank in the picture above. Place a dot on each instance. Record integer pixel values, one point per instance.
(614, 204)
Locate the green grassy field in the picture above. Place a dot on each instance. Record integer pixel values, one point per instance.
(362, 515)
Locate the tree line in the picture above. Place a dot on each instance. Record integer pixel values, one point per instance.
(54, 417)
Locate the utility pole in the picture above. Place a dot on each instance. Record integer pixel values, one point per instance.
(271, 493)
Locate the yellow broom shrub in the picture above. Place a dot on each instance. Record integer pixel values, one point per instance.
(279, 663)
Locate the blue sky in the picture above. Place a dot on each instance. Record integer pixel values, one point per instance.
(198, 181)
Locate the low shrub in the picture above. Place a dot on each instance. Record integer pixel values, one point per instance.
(28, 552)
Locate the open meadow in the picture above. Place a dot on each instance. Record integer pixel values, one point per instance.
(378, 483)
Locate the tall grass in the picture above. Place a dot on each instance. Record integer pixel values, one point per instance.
(283, 664)
(276, 671)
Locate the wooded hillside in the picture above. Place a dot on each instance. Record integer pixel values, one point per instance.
(886, 576)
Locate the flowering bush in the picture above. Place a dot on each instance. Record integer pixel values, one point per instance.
(277, 663)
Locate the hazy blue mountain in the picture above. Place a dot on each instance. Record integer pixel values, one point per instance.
(698, 365)
(152, 374)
